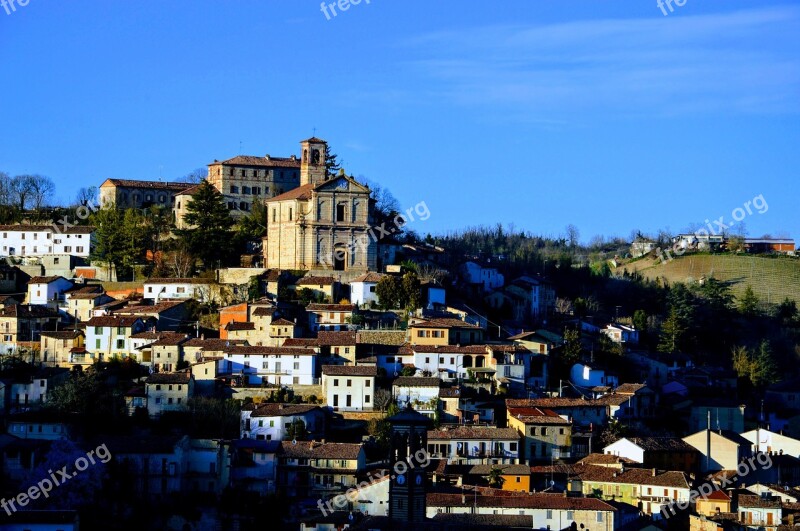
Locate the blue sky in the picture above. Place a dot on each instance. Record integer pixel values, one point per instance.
(607, 115)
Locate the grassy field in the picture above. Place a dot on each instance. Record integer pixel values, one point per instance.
(772, 278)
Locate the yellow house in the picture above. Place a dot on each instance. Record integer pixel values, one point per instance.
(716, 502)
(444, 332)
(515, 477)
(56, 347)
(547, 435)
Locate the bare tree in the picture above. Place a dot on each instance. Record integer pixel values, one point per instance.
(563, 306)
(21, 190)
(386, 204)
(382, 399)
(86, 196)
(5, 189)
(573, 235)
(196, 176)
(41, 190)
(429, 273)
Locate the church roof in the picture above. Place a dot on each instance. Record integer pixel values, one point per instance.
(314, 140)
(300, 193)
(264, 162)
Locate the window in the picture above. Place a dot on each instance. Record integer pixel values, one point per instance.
(368, 384)
(234, 189)
(158, 388)
(599, 516)
(246, 190)
(549, 514)
(570, 515)
(366, 399)
(336, 382)
(98, 330)
(349, 400)
(512, 446)
(544, 431)
(340, 212)
(296, 365)
(120, 343)
(349, 383)
(290, 214)
(274, 214)
(180, 290)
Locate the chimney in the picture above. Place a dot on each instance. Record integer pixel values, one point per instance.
(565, 493)
(323, 441)
(654, 472)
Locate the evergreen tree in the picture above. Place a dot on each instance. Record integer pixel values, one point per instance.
(672, 332)
(209, 235)
(748, 303)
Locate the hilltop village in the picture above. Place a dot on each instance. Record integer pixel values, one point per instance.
(274, 346)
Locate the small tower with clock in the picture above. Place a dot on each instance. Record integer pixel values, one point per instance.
(409, 447)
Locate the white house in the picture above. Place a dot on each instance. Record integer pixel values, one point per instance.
(178, 288)
(619, 333)
(44, 290)
(269, 422)
(168, 391)
(42, 240)
(538, 510)
(421, 393)
(274, 365)
(488, 277)
(760, 511)
(349, 388)
(472, 444)
(329, 317)
(584, 375)
(362, 289)
(111, 336)
(768, 441)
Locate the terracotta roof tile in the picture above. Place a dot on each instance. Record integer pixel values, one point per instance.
(474, 433)
(301, 193)
(349, 370)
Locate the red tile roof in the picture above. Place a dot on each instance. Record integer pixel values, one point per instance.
(315, 281)
(234, 326)
(282, 410)
(112, 320)
(301, 193)
(269, 351)
(474, 433)
(169, 378)
(535, 415)
(444, 323)
(524, 500)
(336, 338)
(261, 162)
(313, 307)
(157, 185)
(349, 370)
(318, 450)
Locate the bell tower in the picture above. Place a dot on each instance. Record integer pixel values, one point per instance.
(409, 456)
(312, 161)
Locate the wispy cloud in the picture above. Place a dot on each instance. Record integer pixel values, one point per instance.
(741, 62)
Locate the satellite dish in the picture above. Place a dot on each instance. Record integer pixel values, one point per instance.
(552, 483)
(350, 517)
(294, 441)
(395, 373)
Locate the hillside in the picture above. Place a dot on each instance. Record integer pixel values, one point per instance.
(772, 278)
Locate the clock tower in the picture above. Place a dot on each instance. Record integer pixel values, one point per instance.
(409, 455)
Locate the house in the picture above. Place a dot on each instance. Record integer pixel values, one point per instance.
(166, 315)
(33, 389)
(584, 413)
(255, 317)
(724, 415)
(515, 477)
(325, 288)
(648, 489)
(420, 392)
(362, 289)
(642, 246)
(24, 323)
(58, 348)
(80, 303)
(178, 288)
(274, 365)
(41, 240)
(207, 374)
(39, 425)
(759, 511)
(254, 465)
(547, 435)
(329, 317)
(620, 333)
(712, 504)
(272, 422)
(720, 450)
(539, 341)
(349, 388)
(475, 445)
(323, 468)
(488, 278)
(168, 391)
(208, 464)
(444, 331)
(521, 510)
(658, 369)
(533, 298)
(664, 453)
(280, 330)
(154, 464)
(166, 352)
(764, 440)
(338, 347)
(201, 348)
(433, 295)
(127, 193)
(769, 245)
(588, 376)
(48, 290)
(110, 337)
(699, 241)
(518, 367)
(447, 361)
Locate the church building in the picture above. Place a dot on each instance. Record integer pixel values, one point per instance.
(324, 223)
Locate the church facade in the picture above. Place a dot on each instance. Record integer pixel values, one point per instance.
(323, 224)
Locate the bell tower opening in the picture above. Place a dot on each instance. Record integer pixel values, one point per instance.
(312, 163)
